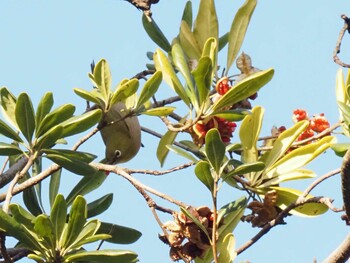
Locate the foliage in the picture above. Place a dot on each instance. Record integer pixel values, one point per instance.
(214, 108)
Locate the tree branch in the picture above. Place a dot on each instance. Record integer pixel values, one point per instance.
(346, 27)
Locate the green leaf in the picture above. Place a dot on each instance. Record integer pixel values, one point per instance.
(243, 89)
(25, 116)
(9, 132)
(214, 149)
(155, 33)
(180, 61)
(203, 78)
(87, 234)
(59, 215)
(119, 234)
(49, 139)
(87, 95)
(149, 89)
(182, 153)
(8, 104)
(238, 30)
(298, 157)
(206, 23)
(54, 118)
(284, 141)
(188, 42)
(44, 107)
(22, 216)
(340, 148)
(187, 15)
(30, 198)
(81, 123)
(246, 168)
(105, 256)
(203, 173)
(124, 90)
(159, 111)
(103, 79)
(226, 249)
(249, 134)
(81, 156)
(232, 115)
(55, 180)
(73, 165)
(43, 228)
(210, 50)
(9, 149)
(162, 150)
(76, 222)
(86, 185)
(223, 40)
(163, 64)
(286, 196)
(292, 175)
(99, 206)
(231, 214)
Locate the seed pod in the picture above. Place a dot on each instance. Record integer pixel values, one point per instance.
(120, 134)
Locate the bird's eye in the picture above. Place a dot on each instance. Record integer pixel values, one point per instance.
(117, 154)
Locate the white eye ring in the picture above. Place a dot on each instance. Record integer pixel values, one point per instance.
(117, 154)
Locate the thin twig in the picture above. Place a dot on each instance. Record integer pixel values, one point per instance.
(3, 249)
(346, 27)
(143, 74)
(157, 173)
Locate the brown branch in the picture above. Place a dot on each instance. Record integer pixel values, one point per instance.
(143, 74)
(341, 254)
(3, 249)
(345, 182)
(157, 173)
(7, 176)
(346, 27)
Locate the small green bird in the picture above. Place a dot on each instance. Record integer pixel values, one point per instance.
(121, 134)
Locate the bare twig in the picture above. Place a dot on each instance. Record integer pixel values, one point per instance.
(143, 74)
(157, 173)
(3, 249)
(7, 176)
(346, 27)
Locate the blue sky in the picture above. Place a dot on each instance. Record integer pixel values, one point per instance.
(49, 45)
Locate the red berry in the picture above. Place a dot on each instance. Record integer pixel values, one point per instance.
(299, 115)
(222, 86)
(319, 123)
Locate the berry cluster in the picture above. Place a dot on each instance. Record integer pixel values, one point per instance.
(317, 124)
(185, 238)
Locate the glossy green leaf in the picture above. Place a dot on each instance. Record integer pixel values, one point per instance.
(15, 229)
(149, 89)
(163, 64)
(345, 113)
(8, 105)
(43, 228)
(91, 239)
(231, 214)
(223, 40)
(54, 118)
(340, 87)
(25, 117)
(9, 132)
(86, 185)
(284, 141)
(159, 111)
(233, 115)
(188, 42)
(238, 30)
(243, 89)
(54, 186)
(22, 216)
(162, 150)
(210, 50)
(340, 148)
(9, 149)
(196, 221)
(214, 149)
(72, 164)
(155, 33)
(182, 153)
(105, 256)
(87, 95)
(287, 195)
(203, 78)
(37, 169)
(99, 206)
(77, 220)
(187, 15)
(226, 249)
(124, 90)
(103, 79)
(81, 156)
(81, 123)
(292, 175)
(246, 168)
(181, 64)
(44, 107)
(206, 23)
(203, 173)
(87, 234)
(49, 139)
(119, 234)
(299, 157)
(249, 134)
(59, 216)
(30, 198)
